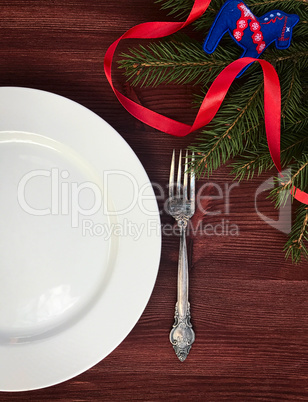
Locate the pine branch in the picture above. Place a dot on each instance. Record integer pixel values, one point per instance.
(178, 59)
(299, 177)
(294, 142)
(297, 52)
(181, 8)
(181, 60)
(259, 161)
(236, 126)
(289, 6)
(296, 246)
(237, 132)
(295, 178)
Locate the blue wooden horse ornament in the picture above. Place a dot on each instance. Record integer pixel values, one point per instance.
(253, 34)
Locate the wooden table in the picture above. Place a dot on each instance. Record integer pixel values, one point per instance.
(249, 306)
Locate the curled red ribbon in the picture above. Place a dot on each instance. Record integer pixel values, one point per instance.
(215, 95)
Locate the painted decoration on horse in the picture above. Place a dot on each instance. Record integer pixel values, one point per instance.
(253, 34)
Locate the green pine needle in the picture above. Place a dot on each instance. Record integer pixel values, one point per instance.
(236, 135)
(296, 246)
(178, 59)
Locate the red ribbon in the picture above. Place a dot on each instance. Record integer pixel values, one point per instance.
(215, 95)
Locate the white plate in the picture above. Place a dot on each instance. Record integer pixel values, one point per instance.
(80, 239)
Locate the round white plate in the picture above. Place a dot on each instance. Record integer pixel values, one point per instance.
(80, 239)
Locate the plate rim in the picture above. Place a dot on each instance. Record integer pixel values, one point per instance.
(101, 351)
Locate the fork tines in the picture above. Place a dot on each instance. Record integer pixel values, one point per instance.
(182, 189)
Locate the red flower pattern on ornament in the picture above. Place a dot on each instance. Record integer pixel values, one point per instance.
(254, 26)
(242, 24)
(257, 37)
(238, 34)
(261, 47)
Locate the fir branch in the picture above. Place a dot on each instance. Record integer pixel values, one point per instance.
(293, 56)
(178, 60)
(262, 161)
(296, 245)
(182, 8)
(217, 149)
(300, 177)
(265, 3)
(294, 143)
(291, 88)
(237, 131)
(296, 177)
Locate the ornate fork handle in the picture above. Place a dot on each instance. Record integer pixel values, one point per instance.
(182, 335)
(181, 206)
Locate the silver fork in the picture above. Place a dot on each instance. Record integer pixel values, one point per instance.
(182, 207)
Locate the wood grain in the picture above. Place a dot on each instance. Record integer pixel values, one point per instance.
(249, 305)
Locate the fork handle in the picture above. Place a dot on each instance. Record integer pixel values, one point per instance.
(182, 335)
(182, 274)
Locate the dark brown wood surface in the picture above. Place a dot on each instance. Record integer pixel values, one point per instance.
(249, 305)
